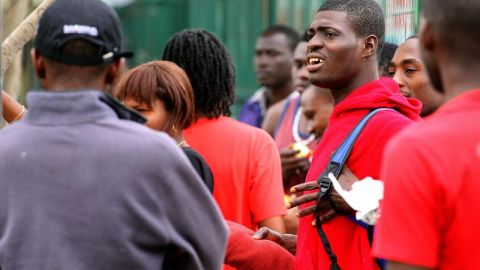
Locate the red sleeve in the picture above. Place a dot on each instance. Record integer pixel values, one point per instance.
(244, 252)
(367, 154)
(266, 196)
(407, 231)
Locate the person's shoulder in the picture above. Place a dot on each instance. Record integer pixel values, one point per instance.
(127, 135)
(273, 116)
(389, 121)
(419, 137)
(232, 125)
(257, 96)
(11, 135)
(192, 154)
(440, 129)
(381, 129)
(277, 108)
(245, 129)
(142, 132)
(389, 115)
(245, 133)
(228, 127)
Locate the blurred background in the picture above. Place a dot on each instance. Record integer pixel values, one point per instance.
(148, 24)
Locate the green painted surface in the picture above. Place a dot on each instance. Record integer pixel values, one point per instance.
(148, 25)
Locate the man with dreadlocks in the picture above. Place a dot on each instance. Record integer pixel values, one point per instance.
(244, 160)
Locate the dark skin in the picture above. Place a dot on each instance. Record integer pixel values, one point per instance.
(273, 65)
(300, 82)
(400, 266)
(289, 241)
(317, 107)
(341, 61)
(301, 79)
(325, 209)
(12, 110)
(272, 116)
(346, 62)
(446, 67)
(409, 72)
(60, 77)
(291, 165)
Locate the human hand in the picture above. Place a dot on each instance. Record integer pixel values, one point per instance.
(347, 178)
(363, 196)
(292, 165)
(326, 210)
(287, 241)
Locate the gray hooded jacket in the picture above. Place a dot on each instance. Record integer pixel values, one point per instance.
(82, 189)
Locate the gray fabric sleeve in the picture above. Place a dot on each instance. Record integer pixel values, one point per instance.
(184, 213)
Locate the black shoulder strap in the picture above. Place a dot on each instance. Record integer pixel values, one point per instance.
(335, 166)
(121, 110)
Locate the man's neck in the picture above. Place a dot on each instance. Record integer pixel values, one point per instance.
(74, 85)
(277, 93)
(458, 79)
(343, 90)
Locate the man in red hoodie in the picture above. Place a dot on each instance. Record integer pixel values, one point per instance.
(430, 211)
(346, 38)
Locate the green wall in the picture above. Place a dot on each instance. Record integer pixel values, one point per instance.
(148, 24)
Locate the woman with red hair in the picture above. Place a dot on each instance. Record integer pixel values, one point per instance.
(162, 93)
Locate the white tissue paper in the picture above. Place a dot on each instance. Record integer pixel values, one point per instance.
(364, 197)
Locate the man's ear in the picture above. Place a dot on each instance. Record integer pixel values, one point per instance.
(38, 63)
(370, 46)
(113, 71)
(426, 37)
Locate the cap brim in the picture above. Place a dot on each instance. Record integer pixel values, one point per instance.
(124, 54)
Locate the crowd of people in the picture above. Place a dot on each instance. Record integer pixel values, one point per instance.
(110, 168)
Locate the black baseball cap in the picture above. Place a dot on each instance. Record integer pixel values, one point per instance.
(90, 20)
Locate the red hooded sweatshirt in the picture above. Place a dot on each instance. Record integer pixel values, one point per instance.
(348, 240)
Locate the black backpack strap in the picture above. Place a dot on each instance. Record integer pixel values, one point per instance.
(335, 166)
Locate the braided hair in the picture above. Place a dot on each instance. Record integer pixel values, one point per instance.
(209, 67)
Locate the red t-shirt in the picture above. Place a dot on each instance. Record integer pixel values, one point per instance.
(430, 214)
(246, 168)
(348, 240)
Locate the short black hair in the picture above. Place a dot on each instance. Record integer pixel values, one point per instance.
(386, 55)
(292, 35)
(365, 16)
(457, 24)
(209, 67)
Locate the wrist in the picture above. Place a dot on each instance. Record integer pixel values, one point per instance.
(289, 242)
